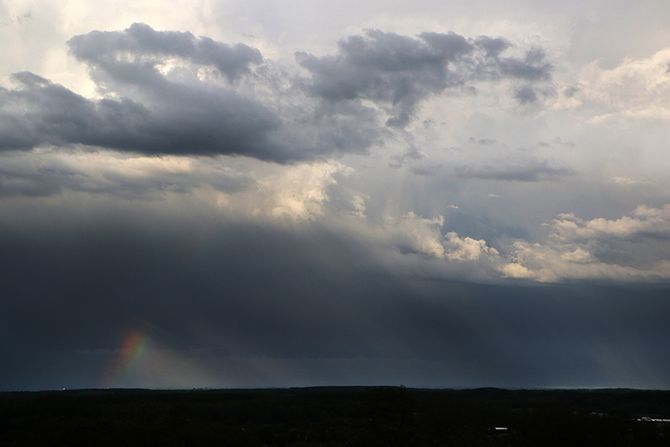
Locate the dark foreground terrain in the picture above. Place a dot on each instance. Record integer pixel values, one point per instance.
(335, 417)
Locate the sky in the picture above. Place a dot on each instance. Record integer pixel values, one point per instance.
(229, 193)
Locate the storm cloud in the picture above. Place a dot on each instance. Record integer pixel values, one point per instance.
(237, 306)
(160, 95)
(400, 71)
(102, 49)
(149, 112)
(209, 122)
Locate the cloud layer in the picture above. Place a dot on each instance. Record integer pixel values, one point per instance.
(168, 92)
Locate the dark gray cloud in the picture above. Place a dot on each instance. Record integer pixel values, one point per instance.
(526, 95)
(148, 111)
(528, 172)
(258, 306)
(196, 120)
(400, 71)
(532, 67)
(493, 46)
(106, 50)
(386, 67)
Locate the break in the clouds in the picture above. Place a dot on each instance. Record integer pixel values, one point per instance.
(426, 193)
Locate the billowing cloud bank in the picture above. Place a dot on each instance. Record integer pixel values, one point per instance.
(167, 92)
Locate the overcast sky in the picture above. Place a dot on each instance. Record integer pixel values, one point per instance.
(272, 193)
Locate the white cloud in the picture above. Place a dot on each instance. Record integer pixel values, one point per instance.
(358, 205)
(420, 234)
(467, 248)
(636, 88)
(546, 263)
(570, 251)
(644, 221)
(299, 192)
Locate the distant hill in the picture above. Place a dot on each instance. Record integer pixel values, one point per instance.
(347, 416)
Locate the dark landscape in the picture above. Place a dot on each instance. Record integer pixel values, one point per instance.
(336, 416)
